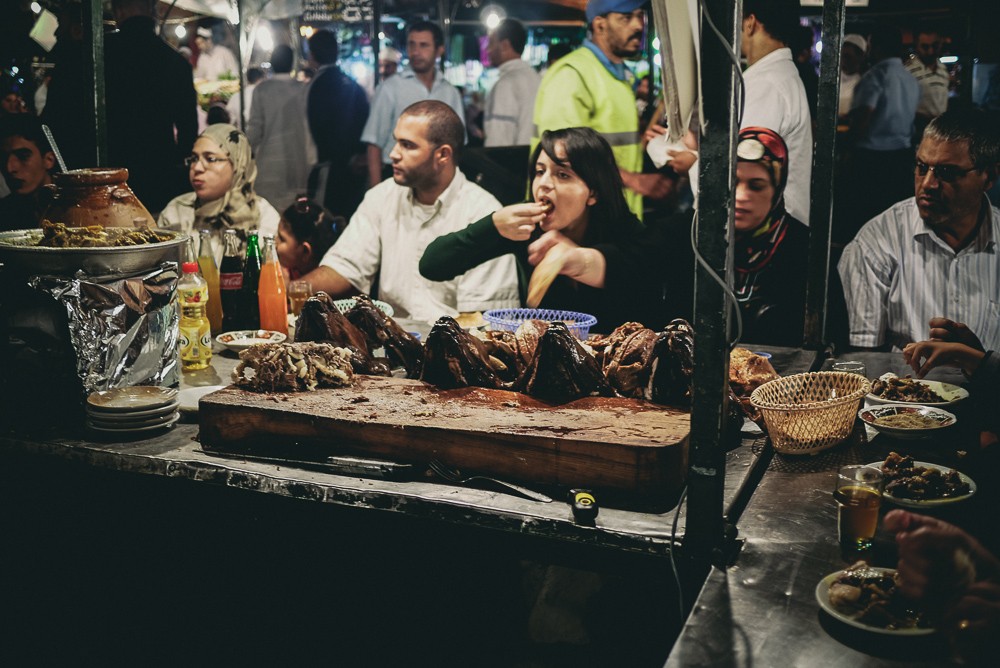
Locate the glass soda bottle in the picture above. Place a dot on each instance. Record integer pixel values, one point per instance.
(195, 336)
(251, 280)
(271, 291)
(210, 272)
(231, 282)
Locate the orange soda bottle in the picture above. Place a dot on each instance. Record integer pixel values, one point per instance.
(271, 291)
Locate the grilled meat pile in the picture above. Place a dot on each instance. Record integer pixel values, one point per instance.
(563, 370)
(277, 367)
(381, 331)
(321, 321)
(454, 358)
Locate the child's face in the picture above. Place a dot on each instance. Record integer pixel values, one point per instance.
(291, 254)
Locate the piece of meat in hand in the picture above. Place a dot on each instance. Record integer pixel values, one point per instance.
(322, 322)
(381, 331)
(454, 358)
(562, 369)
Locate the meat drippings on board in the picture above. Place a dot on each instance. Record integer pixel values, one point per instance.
(277, 367)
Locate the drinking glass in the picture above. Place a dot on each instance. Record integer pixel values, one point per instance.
(298, 293)
(858, 493)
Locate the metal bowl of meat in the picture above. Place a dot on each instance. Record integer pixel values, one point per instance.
(97, 251)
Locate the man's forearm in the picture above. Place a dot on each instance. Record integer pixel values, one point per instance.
(328, 280)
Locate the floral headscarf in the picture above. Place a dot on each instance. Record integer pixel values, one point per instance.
(765, 147)
(238, 208)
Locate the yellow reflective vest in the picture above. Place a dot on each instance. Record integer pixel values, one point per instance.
(578, 91)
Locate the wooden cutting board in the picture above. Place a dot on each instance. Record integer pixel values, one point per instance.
(626, 445)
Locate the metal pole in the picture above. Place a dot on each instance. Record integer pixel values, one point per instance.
(94, 69)
(376, 29)
(243, 66)
(824, 170)
(704, 535)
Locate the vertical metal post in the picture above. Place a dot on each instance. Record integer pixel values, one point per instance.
(824, 170)
(376, 42)
(242, 74)
(703, 536)
(94, 69)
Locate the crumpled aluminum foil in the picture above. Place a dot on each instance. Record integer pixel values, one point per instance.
(123, 328)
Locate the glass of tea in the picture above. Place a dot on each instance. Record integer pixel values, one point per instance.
(298, 293)
(858, 494)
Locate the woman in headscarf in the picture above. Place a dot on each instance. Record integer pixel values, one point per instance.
(222, 173)
(769, 251)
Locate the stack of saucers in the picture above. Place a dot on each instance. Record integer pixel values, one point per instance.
(127, 410)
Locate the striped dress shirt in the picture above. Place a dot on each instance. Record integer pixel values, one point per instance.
(897, 275)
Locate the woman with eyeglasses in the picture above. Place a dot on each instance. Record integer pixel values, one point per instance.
(222, 171)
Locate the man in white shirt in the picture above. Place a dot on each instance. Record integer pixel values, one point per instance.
(852, 57)
(510, 105)
(930, 74)
(775, 96)
(934, 255)
(214, 60)
(423, 81)
(426, 197)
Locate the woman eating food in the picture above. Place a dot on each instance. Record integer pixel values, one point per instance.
(222, 171)
(576, 209)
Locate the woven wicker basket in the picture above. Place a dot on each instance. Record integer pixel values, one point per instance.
(810, 412)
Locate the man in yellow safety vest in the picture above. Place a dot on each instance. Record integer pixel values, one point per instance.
(591, 86)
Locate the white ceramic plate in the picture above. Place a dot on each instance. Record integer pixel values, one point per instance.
(943, 418)
(343, 305)
(929, 503)
(130, 416)
(823, 598)
(189, 397)
(952, 394)
(132, 430)
(138, 398)
(244, 338)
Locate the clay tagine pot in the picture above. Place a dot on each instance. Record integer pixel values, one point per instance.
(95, 196)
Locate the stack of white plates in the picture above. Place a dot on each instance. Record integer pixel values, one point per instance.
(132, 409)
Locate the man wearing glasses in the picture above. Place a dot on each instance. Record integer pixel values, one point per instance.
(934, 255)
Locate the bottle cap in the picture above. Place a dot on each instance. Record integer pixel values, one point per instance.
(190, 267)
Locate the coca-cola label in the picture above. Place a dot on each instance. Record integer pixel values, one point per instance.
(230, 281)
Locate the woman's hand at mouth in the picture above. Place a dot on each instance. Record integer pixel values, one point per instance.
(517, 221)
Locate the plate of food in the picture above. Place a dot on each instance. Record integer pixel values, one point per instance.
(913, 484)
(892, 389)
(244, 338)
(867, 598)
(901, 421)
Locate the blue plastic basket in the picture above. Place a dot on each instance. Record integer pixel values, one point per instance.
(511, 318)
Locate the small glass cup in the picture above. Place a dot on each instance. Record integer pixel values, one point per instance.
(858, 493)
(298, 293)
(847, 366)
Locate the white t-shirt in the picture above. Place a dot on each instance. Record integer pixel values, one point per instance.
(387, 237)
(848, 82)
(776, 99)
(215, 63)
(178, 215)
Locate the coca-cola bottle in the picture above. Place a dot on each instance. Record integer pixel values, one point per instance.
(251, 280)
(231, 283)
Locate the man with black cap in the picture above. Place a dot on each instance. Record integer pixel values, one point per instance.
(591, 86)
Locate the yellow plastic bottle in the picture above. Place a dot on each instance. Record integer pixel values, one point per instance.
(195, 332)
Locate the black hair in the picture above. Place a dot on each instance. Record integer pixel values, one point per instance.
(323, 47)
(27, 126)
(427, 26)
(312, 223)
(780, 18)
(926, 29)
(217, 113)
(282, 59)
(443, 124)
(513, 31)
(885, 41)
(254, 74)
(590, 156)
(969, 125)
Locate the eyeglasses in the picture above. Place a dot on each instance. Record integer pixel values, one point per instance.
(944, 173)
(209, 161)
